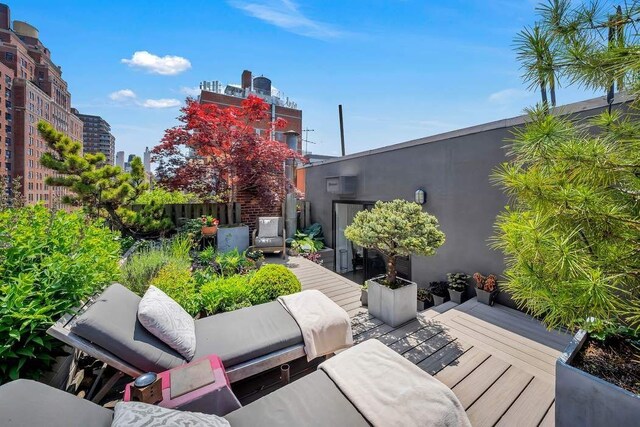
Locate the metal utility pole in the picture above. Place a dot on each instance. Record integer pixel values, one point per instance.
(341, 128)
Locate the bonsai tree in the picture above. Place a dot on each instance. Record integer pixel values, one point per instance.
(396, 228)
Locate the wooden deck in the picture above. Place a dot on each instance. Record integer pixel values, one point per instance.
(498, 361)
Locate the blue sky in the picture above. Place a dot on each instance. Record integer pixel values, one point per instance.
(402, 69)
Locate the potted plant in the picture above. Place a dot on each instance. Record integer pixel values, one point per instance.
(396, 228)
(457, 286)
(425, 300)
(364, 295)
(486, 288)
(209, 225)
(255, 255)
(439, 291)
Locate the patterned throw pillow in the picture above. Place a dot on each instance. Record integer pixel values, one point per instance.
(138, 414)
(165, 319)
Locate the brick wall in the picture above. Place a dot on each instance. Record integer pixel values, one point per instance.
(251, 209)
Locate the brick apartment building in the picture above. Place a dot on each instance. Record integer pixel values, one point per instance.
(96, 136)
(232, 95)
(32, 89)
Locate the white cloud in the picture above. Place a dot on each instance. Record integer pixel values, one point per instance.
(122, 95)
(508, 95)
(286, 14)
(190, 91)
(167, 65)
(161, 103)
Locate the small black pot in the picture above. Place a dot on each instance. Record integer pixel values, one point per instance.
(485, 297)
(439, 300)
(456, 296)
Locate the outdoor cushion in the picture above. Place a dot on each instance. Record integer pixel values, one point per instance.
(30, 403)
(112, 323)
(241, 335)
(138, 414)
(269, 226)
(268, 241)
(167, 320)
(311, 401)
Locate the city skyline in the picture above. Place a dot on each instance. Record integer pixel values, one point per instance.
(399, 72)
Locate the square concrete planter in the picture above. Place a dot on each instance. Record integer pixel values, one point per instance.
(437, 300)
(423, 305)
(456, 296)
(585, 400)
(485, 297)
(233, 237)
(393, 306)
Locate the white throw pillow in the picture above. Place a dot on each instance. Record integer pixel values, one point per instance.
(268, 227)
(138, 414)
(165, 319)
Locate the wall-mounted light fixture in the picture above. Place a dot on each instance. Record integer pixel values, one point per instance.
(421, 197)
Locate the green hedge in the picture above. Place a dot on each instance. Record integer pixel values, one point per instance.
(272, 281)
(175, 279)
(49, 263)
(226, 294)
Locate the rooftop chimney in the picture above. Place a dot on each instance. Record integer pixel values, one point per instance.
(5, 17)
(246, 79)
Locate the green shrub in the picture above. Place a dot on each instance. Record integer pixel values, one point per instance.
(232, 262)
(175, 280)
(143, 266)
(226, 293)
(49, 263)
(165, 197)
(272, 281)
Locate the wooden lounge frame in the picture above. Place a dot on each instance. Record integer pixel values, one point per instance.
(61, 330)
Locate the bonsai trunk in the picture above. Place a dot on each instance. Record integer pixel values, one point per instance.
(391, 270)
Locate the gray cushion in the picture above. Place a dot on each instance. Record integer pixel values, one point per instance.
(242, 335)
(112, 323)
(310, 401)
(29, 403)
(269, 226)
(138, 414)
(263, 242)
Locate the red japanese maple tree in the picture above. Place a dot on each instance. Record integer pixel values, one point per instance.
(217, 152)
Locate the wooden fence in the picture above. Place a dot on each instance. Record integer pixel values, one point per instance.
(179, 213)
(304, 214)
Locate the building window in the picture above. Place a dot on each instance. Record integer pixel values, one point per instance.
(8, 56)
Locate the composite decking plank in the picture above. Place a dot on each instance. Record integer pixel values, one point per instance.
(373, 333)
(415, 338)
(444, 357)
(534, 401)
(401, 332)
(549, 419)
(427, 348)
(477, 382)
(461, 367)
(487, 410)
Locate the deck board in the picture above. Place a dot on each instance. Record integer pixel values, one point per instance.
(498, 361)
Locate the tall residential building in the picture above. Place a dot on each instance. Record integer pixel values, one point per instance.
(32, 90)
(213, 92)
(120, 159)
(147, 160)
(96, 136)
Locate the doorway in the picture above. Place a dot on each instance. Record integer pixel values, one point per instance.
(352, 261)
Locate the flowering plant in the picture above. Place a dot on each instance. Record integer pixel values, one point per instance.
(209, 221)
(488, 283)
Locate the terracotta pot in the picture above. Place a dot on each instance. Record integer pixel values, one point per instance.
(209, 231)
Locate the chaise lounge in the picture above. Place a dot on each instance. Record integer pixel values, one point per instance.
(248, 341)
(396, 392)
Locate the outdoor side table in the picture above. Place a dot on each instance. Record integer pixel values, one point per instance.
(199, 386)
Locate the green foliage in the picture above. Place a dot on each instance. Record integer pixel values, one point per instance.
(272, 281)
(175, 279)
(439, 288)
(571, 234)
(226, 293)
(309, 240)
(49, 263)
(232, 262)
(103, 190)
(161, 196)
(207, 255)
(457, 281)
(396, 228)
(424, 295)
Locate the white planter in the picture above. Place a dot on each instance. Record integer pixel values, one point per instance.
(393, 306)
(233, 237)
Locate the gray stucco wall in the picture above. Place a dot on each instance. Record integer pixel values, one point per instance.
(455, 172)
